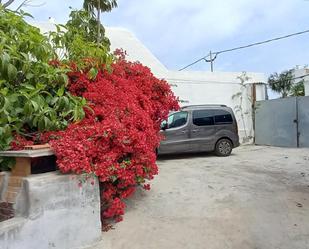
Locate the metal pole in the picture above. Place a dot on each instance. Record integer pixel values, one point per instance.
(211, 62)
(253, 100)
(297, 123)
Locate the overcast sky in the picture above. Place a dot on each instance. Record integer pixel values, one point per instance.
(181, 31)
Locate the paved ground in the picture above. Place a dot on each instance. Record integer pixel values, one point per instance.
(257, 198)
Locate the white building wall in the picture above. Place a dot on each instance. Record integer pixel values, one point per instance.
(136, 51)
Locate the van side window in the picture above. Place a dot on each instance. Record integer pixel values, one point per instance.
(203, 118)
(223, 117)
(177, 119)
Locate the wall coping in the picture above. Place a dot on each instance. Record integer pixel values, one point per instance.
(27, 153)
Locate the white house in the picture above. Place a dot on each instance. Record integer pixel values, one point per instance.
(193, 87)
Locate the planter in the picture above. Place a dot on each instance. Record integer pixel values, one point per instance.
(46, 210)
(52, 211)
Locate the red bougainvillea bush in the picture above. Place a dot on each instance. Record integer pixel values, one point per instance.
(109, 115)
(117, 139)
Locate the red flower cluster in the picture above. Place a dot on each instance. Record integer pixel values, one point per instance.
(19, 142)
(117, 139)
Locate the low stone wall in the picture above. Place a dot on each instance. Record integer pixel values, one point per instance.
(53, 211)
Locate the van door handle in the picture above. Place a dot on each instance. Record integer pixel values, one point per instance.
(184, 132)
(194, 131)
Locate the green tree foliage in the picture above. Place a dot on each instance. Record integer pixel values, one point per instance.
(281, 83)
(33, 94)
(76, 40)
(298, 89)
(284, 84)
(84, 23)
(99, 6)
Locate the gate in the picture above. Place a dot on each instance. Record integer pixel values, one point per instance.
(282, 122)
(303, 121)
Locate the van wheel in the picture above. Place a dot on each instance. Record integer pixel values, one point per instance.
(223, 147)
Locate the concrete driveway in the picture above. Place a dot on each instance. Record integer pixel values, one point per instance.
(257, 198)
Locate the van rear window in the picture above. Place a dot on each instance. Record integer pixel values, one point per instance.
(203, 118)
(223, 117)
(211, 117)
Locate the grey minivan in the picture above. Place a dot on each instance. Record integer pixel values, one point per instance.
(198, 128)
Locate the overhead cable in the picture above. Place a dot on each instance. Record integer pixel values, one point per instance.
(243, 47)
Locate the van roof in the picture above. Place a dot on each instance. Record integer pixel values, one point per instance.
(202, 106)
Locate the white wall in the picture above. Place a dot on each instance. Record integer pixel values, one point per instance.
(57, 214)
(136, 51)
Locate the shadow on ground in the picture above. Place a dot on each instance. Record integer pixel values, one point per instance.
(189, 156)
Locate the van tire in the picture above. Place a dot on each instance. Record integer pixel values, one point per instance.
(223, 147)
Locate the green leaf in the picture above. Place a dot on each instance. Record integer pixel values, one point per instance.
(5, 59)
(11, 72)
(28, 109)
(35, 105)
(84, 101)
(29, 87)
(2, 101)
(6, 163)
(54, 100)
(65, 114)
(66, 101)
(92, 74)
(65, 79)
(13, 98)
(29, 76)
(46, 123)
(60, 92)
(25, 14)
(1, 82)
(41, 124)
(19, 110)
(35, 121)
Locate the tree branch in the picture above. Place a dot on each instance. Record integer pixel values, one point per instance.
(27, 3)
(8, 3)
(21, 5)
